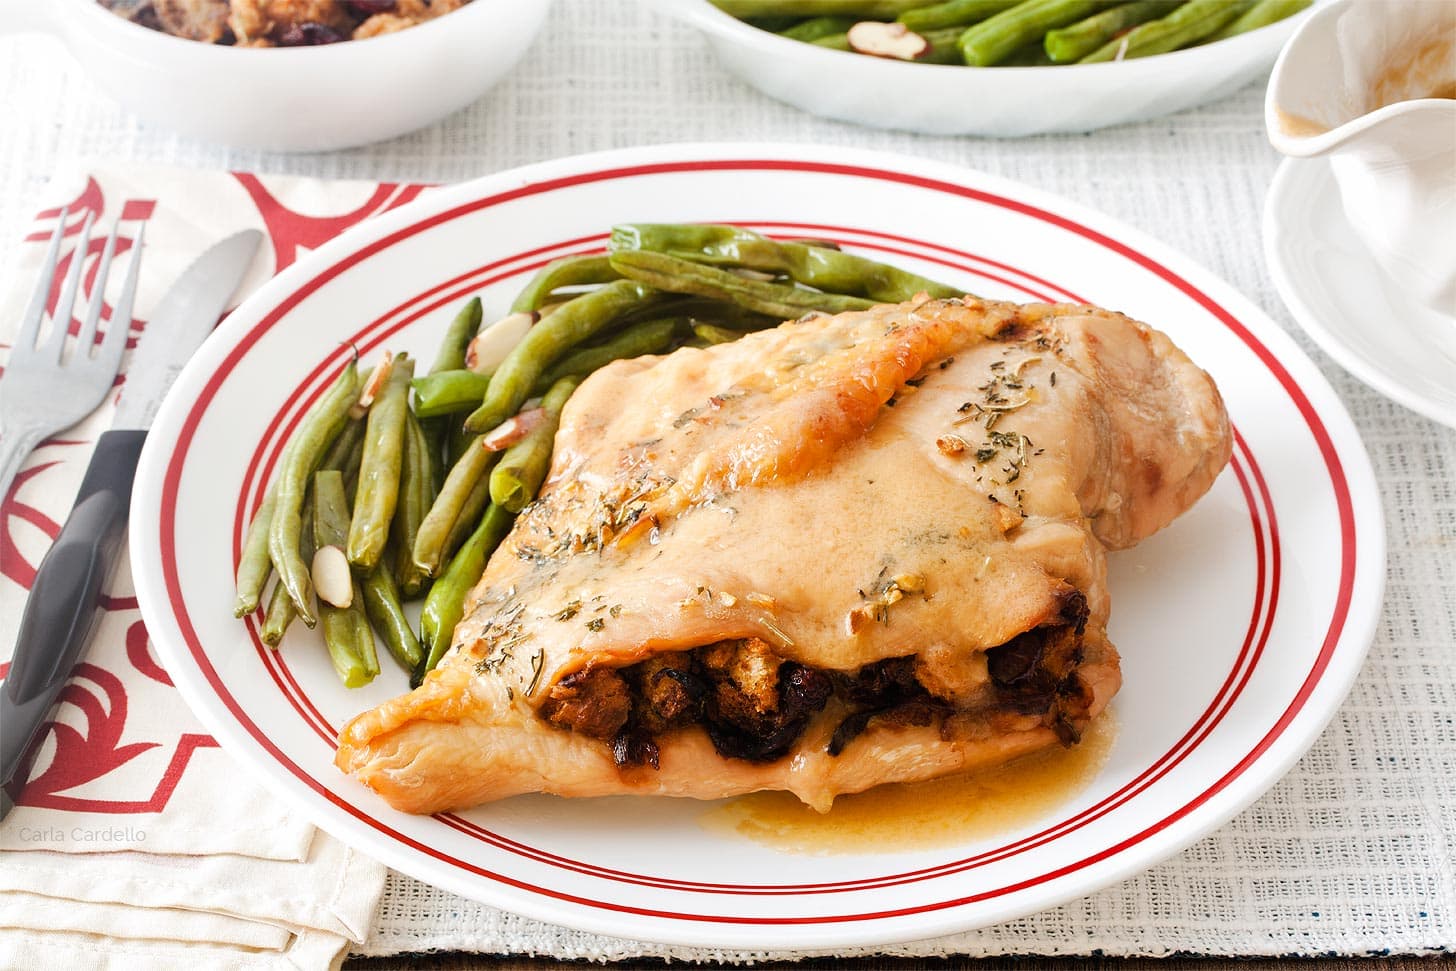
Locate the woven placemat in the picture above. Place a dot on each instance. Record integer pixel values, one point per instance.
(1351, 853)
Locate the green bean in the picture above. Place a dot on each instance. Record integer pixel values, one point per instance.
(254, 564)
(953, 13)
(346, 447)
(470, 512)
(834, 42)
(382, 607)
(690, 309)
(1261, 14)
(992, 41)
(310, 442)
(858, 9)
(432, 539)
(774, 24)
(446, 603)
(569, 272)
(523, 468)
(745, 323)
(446, 392)
(429, 461)
(281, 610)
(558, 300)
(346, 629)
(417, 582)
(379, 469)
(280, 613)
(944, 48)
(1032, 55)
(775, 299)
(817, 27)
(451, 355)
(329, 509)
(456, 444)
(1074, 42)
(648, 337)
(350, 467)
(342, 457)
(832, 271)
(416, 495)
(1188, 24)
(713, 334)
(547, 342)
(350, 642)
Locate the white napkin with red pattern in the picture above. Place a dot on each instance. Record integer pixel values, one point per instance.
(136, 841)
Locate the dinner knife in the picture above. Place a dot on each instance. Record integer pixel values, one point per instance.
(61, 609)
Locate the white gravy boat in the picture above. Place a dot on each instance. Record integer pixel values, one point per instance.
(1371, 86)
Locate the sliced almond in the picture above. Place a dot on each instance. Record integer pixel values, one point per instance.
(512, 430)
(489, 347)
(373, 386)
(887, 40)
(331, 577)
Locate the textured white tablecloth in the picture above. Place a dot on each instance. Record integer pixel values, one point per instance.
(1354, 852)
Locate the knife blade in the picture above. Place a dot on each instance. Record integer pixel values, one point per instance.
(187, 314)
(61, 608)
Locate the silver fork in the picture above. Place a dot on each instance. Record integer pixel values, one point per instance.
(41, 393)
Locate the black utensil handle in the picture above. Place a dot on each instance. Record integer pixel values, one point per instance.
(61, 608)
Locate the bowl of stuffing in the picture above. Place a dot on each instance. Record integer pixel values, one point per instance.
(292, 75)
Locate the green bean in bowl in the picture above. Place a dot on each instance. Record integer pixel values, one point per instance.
(399, 484)
(942, 66)
(990, 33)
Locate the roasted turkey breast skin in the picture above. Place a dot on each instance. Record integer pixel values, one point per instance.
(850, 550)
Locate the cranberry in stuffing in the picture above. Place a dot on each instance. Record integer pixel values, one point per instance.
(309, 35)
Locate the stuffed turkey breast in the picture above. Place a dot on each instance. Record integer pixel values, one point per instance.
(850, 550)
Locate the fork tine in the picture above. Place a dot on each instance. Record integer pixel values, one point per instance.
(30, 323)
(109, 354)
(87, 337)
(61, 319)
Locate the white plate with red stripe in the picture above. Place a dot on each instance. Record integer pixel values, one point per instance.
(1241, 626)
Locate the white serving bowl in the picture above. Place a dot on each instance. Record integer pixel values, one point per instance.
(299, 99)
(942, 99)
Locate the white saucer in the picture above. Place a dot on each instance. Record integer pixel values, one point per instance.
(1337, 294)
